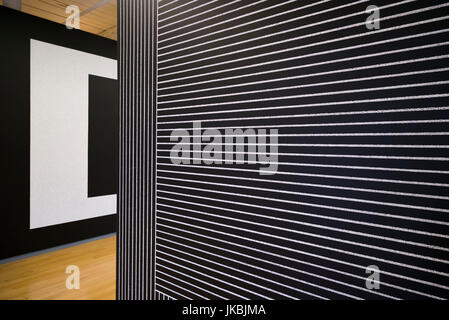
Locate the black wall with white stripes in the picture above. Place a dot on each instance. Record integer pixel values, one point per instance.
(362, 175)
(137, 138)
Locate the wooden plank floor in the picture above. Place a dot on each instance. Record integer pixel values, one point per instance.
(43, 277)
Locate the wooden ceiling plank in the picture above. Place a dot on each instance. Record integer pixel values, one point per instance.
(101, 21)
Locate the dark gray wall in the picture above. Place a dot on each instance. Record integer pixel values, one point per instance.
(363, 156)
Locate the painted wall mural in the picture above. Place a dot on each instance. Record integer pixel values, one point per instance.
(59, 100)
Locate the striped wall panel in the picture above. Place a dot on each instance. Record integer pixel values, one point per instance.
(162, 296)
(362, 176)
(362, 166)
(136, 195)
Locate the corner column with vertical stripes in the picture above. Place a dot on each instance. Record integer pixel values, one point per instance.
(136, 196)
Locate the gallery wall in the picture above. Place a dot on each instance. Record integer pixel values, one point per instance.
(58, 93)
(361, 109)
